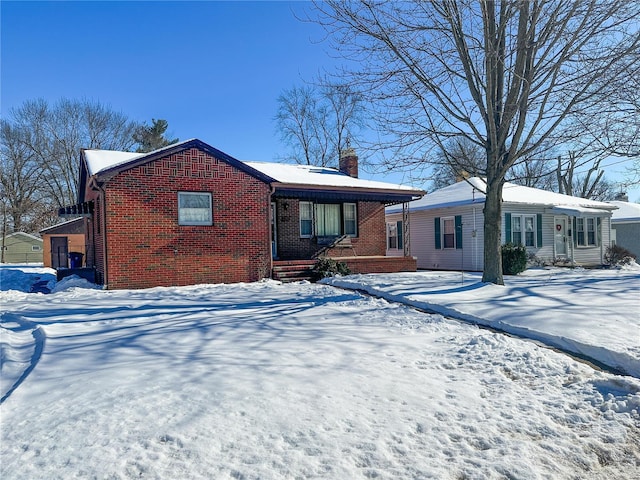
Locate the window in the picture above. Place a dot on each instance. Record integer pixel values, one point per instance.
(350, 219)
(194, 208)
(586, 232)
(306, 219)
(328, 219)
(523, 229)
(529, 232)
(35, 248)
(395, 236)
(516, 230)
(448, 232)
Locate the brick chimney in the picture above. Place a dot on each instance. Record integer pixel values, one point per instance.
(621, 197)
(349, 162)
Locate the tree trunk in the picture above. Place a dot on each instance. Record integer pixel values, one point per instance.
(493, 235)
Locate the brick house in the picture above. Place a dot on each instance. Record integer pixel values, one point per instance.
(189, 214)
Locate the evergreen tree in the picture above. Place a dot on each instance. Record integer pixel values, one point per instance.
(152, 137)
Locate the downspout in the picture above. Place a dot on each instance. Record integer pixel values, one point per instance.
(572, 242)
(103, 221)
(272, 190)
(475, 242)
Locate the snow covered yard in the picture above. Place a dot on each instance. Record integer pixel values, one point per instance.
(270, 381)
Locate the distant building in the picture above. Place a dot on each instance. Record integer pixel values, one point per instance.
(447, 226)
(62, 239)
(22, 247)
(625, 226)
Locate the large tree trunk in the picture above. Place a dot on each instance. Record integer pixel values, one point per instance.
(492, 272)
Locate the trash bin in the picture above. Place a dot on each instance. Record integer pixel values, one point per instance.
(75, 259)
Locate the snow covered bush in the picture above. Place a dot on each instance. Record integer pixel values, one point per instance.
(514, 259)
(328, 267)
(617, 255)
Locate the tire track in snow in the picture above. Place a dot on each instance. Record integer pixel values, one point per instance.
(15, 349)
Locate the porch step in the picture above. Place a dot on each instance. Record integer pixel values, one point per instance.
(293, 270)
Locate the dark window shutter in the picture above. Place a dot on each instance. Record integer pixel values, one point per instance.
(400, 235)
(458, 222)
(436, 229)
(599, 231)
(574, 233)
(539, 228)
(507, 228)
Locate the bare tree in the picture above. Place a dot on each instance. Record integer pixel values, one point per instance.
(591, 184)
(52, 137)
(39, 151)
(317, 122)
(20, 180)
(506, 75)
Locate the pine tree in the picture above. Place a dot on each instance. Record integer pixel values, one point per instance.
(151, 137)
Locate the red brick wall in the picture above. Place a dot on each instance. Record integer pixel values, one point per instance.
(371, 239)
(380, 264)
(145, 245)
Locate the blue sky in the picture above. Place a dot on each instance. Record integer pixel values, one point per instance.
(213, 70)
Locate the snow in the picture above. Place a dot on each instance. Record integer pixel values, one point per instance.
(627, 212)
(99, 160)
(320, 176)
(268, 380)
(472, 191)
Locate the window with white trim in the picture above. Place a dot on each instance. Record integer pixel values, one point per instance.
(350, 219)
(523, 230)
(328, 219)
(306, 219)
(35, 248)
(586, 233)
(395, 236)
(194, 208)
(448, 233)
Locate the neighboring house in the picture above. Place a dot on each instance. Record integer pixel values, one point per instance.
(189, 213)
(22, 247)
(625, 226)
(62, 239)
(447, 226)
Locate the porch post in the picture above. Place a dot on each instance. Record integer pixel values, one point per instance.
(406, 244)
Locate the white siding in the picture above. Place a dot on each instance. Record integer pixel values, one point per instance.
(470, 257)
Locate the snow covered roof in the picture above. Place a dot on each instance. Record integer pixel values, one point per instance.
(108, 162)
(308, 175)
(472, 191)
(627, 212)
(99, 160)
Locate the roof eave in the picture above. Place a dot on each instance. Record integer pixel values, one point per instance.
(385, 195)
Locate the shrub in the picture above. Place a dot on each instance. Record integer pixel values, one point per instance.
(514, 259)
(617, 255)
(328, 267)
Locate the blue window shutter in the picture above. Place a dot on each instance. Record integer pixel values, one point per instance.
(458, 222)
(400, 235)
(539, 228)
(507, 228)
(436, 229)
(574, 233)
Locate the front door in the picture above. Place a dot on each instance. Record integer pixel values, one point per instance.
(59, 252)
(560, 235)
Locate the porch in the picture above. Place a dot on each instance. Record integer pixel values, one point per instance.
(296, 270)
